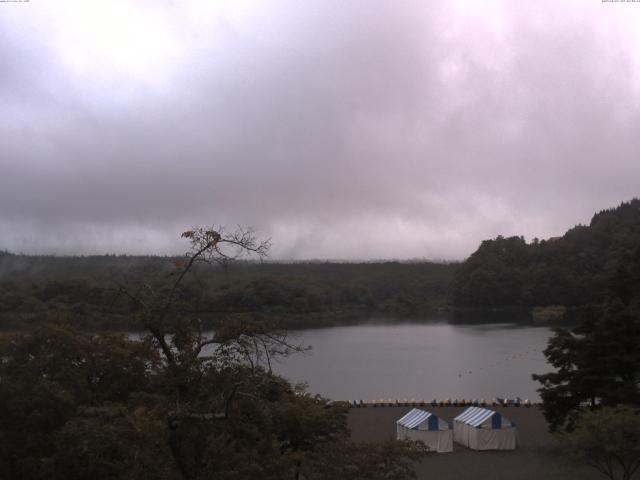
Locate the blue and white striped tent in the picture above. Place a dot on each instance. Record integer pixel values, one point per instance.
(426, 427)
(482, 429)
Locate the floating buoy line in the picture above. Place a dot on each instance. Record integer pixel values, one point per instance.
(501, 362)
(447, 402)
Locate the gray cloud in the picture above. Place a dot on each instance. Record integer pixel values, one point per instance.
(365, 129)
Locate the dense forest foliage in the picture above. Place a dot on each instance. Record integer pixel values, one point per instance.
(299, 295)
(76, 406)
(573, 270)
(591, 396)
(597, 362)
(184, 403)
(178, 403)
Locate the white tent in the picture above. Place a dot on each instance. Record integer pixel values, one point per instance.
(482, 429)
(427, 427)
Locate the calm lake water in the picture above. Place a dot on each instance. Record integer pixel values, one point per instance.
(416, 361)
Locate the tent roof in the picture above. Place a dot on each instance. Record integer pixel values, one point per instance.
(474, 416)
(414, 418)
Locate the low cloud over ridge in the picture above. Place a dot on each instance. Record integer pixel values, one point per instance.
(360, 130)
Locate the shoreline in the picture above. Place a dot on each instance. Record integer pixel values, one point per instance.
(536, 456)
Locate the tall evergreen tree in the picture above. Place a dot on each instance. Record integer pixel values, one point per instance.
(598, 362)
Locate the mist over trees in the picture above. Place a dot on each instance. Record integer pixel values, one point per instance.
(197, 396)
(573, 270)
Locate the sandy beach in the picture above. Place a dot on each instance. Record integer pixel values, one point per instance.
(536, 456)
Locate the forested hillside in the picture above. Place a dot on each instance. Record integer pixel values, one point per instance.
(575, 269)
(297, 294)
(76, 405)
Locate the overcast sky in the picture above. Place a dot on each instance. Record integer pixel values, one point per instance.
(341, 129)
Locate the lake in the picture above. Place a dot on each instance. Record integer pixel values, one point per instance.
(420, 361)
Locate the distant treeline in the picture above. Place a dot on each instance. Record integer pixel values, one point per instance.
(573, 270)
(297, 294)
(508, 274)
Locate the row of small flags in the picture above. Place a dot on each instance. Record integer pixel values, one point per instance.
(448, 402)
